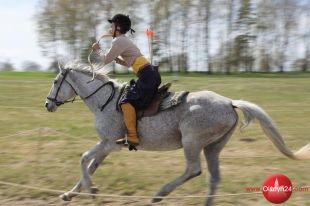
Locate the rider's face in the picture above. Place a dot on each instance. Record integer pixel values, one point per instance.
(112, 28)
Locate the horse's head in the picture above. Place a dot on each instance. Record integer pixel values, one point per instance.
(61, 91)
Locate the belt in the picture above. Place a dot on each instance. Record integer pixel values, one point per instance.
(139, 64)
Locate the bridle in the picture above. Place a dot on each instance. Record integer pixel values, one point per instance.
(58, 103)
(64, 74)
(110, 83)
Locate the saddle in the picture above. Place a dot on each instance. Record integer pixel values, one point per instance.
(163, 100)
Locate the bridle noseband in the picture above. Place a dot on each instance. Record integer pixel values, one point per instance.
(58, 103)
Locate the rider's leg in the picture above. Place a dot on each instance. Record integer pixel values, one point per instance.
(130, 119)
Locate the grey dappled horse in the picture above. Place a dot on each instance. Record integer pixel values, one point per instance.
(203, 122)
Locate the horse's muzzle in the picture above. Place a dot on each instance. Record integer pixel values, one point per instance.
(50, 106)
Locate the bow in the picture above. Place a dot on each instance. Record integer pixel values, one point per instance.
(92, 50)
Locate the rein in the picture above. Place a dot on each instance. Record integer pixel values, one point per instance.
(110, 97)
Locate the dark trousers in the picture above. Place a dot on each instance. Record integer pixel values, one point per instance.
(143, 90)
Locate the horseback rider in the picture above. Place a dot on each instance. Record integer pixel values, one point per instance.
(141, 91)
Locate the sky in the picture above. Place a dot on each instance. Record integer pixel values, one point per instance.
(18, 36)
(19, 39)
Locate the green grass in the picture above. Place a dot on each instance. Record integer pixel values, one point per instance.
(26, 74)
(43, 149)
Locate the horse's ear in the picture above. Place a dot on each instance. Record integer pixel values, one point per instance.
(61, 67)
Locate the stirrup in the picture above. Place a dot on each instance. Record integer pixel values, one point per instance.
(130, 145)
(125, 142)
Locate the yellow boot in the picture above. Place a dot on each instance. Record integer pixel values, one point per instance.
(130, 120)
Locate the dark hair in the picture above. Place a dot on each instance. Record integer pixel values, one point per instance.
(123, 22)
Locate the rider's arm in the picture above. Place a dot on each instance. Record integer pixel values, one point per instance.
(121, 62)
(111, 55)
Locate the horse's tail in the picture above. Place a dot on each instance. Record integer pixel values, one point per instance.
(252, 111)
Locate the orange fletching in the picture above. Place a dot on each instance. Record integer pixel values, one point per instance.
(149, 33)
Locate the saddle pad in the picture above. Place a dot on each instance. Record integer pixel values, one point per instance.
(172, 100)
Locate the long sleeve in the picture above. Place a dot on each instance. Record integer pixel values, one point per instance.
(114, 51)
(122, 50)
(121, 62)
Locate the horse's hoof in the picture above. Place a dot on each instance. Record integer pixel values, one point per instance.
(65, 197)
(156, 199)
(94, 191)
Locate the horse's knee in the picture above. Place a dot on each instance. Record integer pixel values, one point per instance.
(92, 168)
(197, 173)
(85, 158)
(193, 174)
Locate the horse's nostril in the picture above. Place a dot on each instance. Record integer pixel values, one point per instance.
(46, 104)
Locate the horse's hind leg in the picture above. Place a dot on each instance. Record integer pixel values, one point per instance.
(192, 155)
(214, 171)
(212, 153)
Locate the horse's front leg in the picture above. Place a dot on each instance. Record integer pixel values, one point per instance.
(77, 188)
(90, 161)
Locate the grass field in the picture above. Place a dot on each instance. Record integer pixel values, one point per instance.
(43, 149)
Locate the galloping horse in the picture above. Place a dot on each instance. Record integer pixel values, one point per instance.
(205, 121)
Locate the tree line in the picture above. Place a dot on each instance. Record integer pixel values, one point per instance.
(189, 35)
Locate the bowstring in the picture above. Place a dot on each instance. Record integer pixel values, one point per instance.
(88, 58)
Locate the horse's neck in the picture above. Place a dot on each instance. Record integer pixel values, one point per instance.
(83, 88)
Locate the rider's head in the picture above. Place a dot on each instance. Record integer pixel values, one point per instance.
(120, 23)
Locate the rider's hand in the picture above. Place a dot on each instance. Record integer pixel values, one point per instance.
(95, 46)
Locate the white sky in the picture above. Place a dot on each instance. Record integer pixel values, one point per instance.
(18, 37)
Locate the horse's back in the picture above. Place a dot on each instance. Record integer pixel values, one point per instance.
(209, 106)
(207, 97)
(202, 113)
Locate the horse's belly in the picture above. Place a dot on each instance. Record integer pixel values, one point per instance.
(159, 134)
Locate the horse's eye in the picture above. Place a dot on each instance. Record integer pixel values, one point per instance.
(55, 81)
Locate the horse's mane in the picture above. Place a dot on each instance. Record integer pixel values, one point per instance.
(101, 72)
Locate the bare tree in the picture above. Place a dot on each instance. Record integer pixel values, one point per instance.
(162, 22)
(6, 66)
(243, 42)
(306, 35)
(265, 27)
(249, 31)
(207, 16)
(47, 27)
(228, 44)
(168, 35)
(287, 18)
(185, 5)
